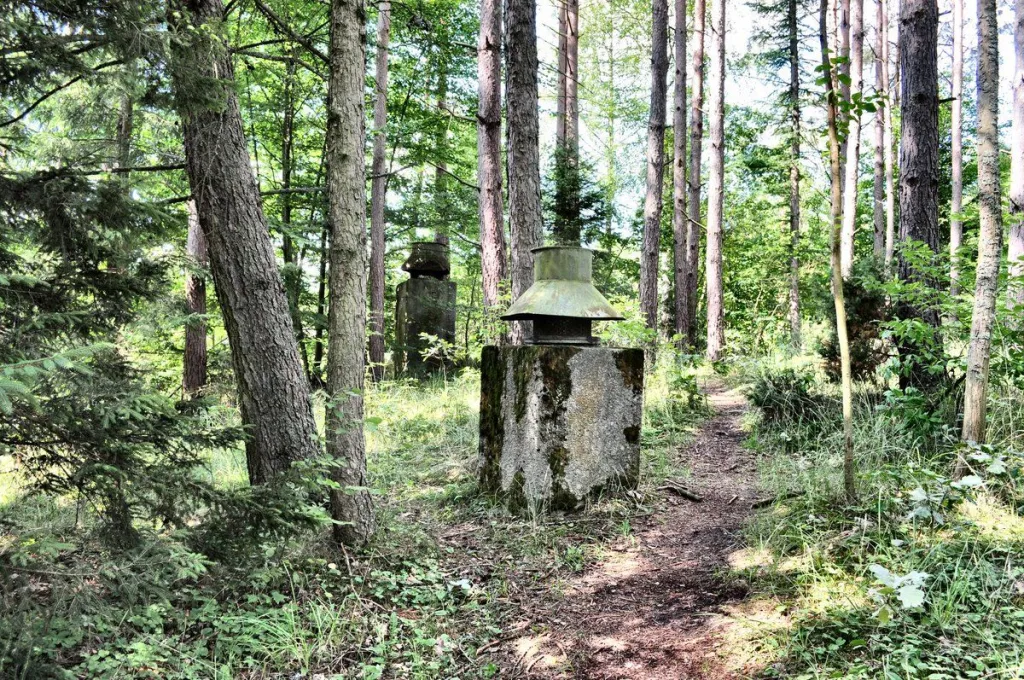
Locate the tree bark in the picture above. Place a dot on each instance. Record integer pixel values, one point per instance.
(525, 221)
(855, 92)
(378, 194)
(488, 136)
(1015, 293)
(716, 188)
(650, 248)
(194, 360)
(568, 114)
(919, 160)
(272, 391)
(956, 225)
(990, 236)
(878, 197)
(794, 175)
(696, 144)
(346, 214)
(836, 212)
(890, 182)
(441, 168)
(680, 252)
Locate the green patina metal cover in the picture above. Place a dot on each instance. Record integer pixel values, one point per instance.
(562, 286)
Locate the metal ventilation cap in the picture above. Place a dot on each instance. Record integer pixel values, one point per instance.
(562, 287)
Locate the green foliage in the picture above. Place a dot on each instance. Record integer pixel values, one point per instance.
(866, 312)
(574, 204)
(786, 397)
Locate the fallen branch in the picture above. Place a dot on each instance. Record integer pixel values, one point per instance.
(680, 490)
(765, 502)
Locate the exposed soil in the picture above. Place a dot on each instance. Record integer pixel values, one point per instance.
(657, 605)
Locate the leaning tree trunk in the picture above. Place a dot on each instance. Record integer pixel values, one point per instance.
(794, 175)
(716, 189)
(524, 206)
(836, 211)
(1016, 251)
(990, 236)
(378, 194)
(346, 214)
(919, 163)
(272, 391)
(856, 73)
(194, 359)
(655, 165)
(488, 141)
(956, 225)
(693, 192)
(679, 217)
(878, 196)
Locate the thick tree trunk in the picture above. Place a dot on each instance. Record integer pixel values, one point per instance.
(524, 206)
(1016, 249)
(679, 217)
(956, 225)
(378, 194)
(855, 90)
(696, 144)
(488, 139)
(346, 214)
(919, 160)
(272, 391)
(990, 236)
(878, 197)
(716, 188)
(794, 175)
(194, 360)
(890, 182)
(650, 248)
(836, 211)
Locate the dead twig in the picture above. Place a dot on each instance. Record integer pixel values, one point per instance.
(765, 502)
(680, 490)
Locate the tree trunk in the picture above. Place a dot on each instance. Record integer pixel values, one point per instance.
(568, 115)
(378, 194)
(525, 221)
(878, 204)
(650, 248)
(716, 188)
(194, 360)
(272, 391)
(1015, 292)
(125, 125)
(843, 45)
(293, 283)
(679, 218)
(836, 213)
(890, 182)
(794, 175)
(855, 89)
(346, 214)
(990, 236)
(919, 161)
(696, 144)
(441, 168)
(956, 225)
(488, 136)
(316, 380)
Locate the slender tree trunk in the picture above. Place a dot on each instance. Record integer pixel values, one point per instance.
(293, 283)
(794, 175)
(194, 360)
(836, 214)
(125, 125)
(1015, 292)
(488, 136)
(844, 82)
(878, 204)
(317, 369)
(441, 168)
(346, 214)
(890, 182)
(680, 253)
(990, 236)
(716, 188)
(650, 248)
(956, 225)
(696, 144)
(572, 78)
(855, 90)
(272, 391)
(378, 194)
(525, 222)
(919, 161)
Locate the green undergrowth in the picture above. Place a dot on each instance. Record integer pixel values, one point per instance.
(921, 576)
(442, 579)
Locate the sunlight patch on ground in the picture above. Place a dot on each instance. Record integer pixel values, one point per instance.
(750, 558)
(538, 651)
(993, 519)
(748, 633)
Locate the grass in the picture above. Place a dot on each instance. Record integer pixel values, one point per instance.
(438, 583)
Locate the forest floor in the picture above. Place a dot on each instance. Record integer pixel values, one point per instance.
(659, 603)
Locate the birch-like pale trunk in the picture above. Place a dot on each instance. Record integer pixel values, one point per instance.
(679, 217)
(716, 188)
(693, 180)
(378, 193)
(990, 236)
(878, 190)
(956, 225)
(650, 248)
(855, 91)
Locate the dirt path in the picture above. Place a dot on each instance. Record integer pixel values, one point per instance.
(656, 606)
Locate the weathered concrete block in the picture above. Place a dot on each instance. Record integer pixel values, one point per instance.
(425, 305)
(559, 423)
